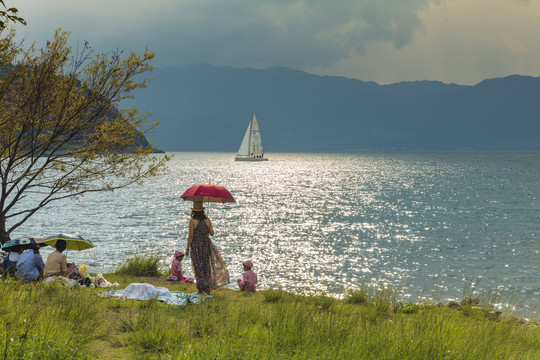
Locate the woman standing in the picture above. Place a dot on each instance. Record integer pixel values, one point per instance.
(208, 265)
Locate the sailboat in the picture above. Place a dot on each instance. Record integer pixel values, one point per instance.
(251, 148)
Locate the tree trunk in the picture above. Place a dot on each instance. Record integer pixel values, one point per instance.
(4, 236)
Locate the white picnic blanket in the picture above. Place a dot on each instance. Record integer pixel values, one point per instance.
(144, 291)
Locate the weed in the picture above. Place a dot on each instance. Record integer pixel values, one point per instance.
(273, 295)
(407, 308)
(357, 296)
(56, 323)
(322, 302)
(140, 266)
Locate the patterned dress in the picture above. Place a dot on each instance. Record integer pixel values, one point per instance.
(176, 272)
(208, 266)
(248, 282)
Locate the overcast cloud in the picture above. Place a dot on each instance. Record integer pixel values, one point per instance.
(461, 41)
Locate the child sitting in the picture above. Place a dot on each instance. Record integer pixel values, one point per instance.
(249, 282)
(176, 268)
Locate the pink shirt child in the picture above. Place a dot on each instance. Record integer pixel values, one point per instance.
(176, 268)
(249, 278)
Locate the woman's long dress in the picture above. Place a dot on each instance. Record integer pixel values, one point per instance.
(210, 270)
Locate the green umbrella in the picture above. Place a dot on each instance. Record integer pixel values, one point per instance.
(73, 242)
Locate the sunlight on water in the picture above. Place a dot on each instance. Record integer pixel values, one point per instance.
(426, 224)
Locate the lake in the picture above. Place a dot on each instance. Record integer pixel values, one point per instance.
(429, 225)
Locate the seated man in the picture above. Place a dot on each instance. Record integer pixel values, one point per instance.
(57, 262)
(30, 265)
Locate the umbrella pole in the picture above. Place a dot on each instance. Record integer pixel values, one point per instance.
(209, 182)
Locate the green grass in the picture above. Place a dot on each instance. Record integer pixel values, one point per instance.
(140, 266)
(39, 321)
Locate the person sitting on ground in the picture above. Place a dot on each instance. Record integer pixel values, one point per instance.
(56, 263)
(176, 268)
(249, 282)
(30, 265)
(10, 262)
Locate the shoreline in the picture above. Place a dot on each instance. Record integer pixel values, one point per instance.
(465, 301)
(268, 324)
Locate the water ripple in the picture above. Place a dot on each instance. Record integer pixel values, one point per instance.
(425, 224)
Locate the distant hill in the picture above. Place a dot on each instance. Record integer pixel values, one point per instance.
(139, 137)
(206, 108)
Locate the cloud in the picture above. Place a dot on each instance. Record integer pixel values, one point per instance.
(295, 33)
(234, 32)
(459, 41)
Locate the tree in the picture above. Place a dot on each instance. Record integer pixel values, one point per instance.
(9, 15)
(61, 133)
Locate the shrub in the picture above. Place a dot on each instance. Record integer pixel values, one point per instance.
(383, 301)
(359, 296)
(407, 308)
(140, 266)
(273, 295)
(322, 302)
(325, 302)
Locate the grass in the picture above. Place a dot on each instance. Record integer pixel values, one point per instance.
(140, 266)
(45, 321)
(40, 321)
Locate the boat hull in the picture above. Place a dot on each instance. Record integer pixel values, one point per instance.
(247, 158)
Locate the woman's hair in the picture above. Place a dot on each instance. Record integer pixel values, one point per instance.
(60, 245)
(198, 215)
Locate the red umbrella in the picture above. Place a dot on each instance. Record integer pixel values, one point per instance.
(208, 193)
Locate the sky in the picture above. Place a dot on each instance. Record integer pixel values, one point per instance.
(386, 41)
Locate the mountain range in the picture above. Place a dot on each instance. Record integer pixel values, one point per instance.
(207, 108)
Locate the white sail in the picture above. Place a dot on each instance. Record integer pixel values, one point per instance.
(244, 147)
(251, 148)
(255, 142)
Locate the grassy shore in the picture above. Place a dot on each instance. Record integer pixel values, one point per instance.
(41, 321)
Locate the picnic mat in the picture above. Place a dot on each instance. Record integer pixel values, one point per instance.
(144, 291)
